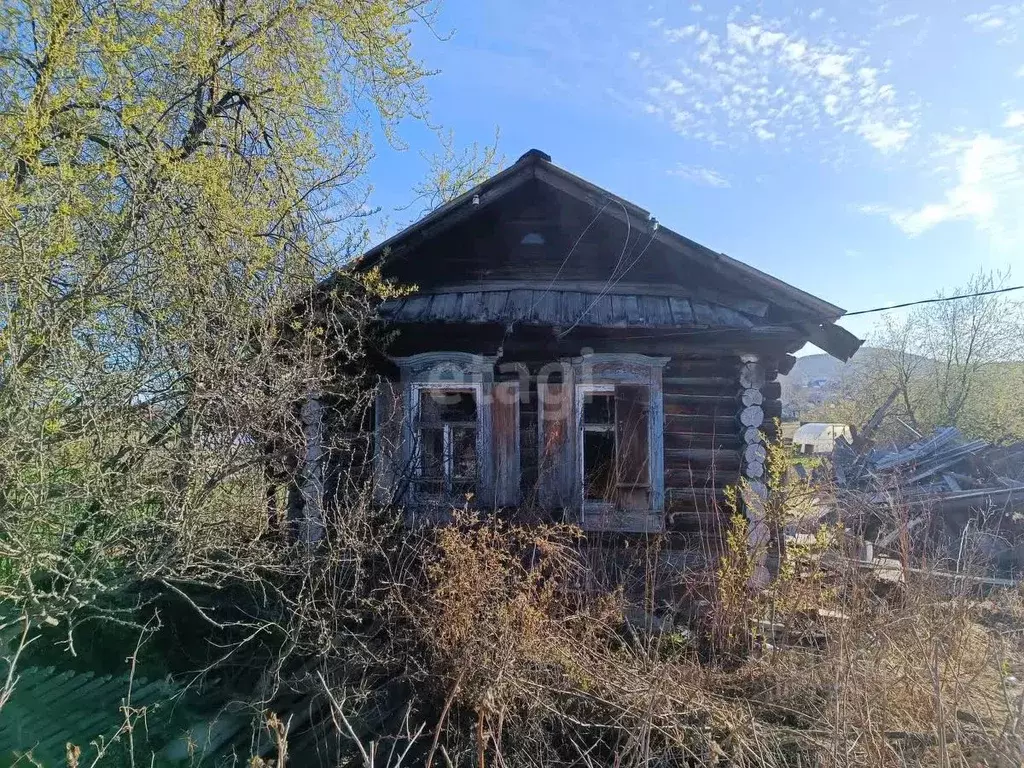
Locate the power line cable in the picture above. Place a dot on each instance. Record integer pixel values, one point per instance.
(935, 300)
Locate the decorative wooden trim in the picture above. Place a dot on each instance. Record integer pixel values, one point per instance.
(557, 480)
(453, 371)
(753, 307)
(601, 372)
(508, 479)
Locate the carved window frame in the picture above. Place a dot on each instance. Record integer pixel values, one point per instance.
(454, 372)
(601, 372)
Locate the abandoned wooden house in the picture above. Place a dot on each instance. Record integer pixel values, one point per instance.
(563, 351)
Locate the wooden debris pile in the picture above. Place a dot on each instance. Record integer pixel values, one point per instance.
(966, 495)
(966, 492)
(943, 471)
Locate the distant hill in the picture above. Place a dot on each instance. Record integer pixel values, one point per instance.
(816, 379)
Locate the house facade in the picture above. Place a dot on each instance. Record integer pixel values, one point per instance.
(563, 352)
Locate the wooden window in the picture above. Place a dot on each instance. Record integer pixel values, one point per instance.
(632, 403)
(599, 446)
(446, 438)
(615, 447)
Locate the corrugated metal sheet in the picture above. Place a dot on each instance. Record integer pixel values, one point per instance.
(50, 708)
(564, 308)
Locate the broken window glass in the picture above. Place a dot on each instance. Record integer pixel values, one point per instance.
(447, 432)
(599, 446)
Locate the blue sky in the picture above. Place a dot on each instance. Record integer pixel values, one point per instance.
(868, 152)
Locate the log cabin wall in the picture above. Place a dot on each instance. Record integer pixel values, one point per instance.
(536, 265)
(704, 400)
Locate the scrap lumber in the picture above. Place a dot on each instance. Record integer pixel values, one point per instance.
(940, 477)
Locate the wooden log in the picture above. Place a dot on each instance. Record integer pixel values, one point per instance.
(757, 488)
(772, 390)
(685, 422)
(752, 416)
(700, 478)
(752, 376)
(688, 440)
(702, 457)
(752, 435)
(752, 397)
(754, 469)
(755, 452)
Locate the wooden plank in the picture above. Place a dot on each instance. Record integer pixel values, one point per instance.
(698, 440)
(730, 318)
(655, 310)
(692, 477)
(631, 307)
(546, 309)
(703, 314)
(746, 305)
(495, 305)
(691, 382)
(414, 308)
(519, 305)
(572, 305)
(442, 306)
(632, 405)
(556, 427)
(602, 312)
(622, 521)
(471, 308)
(682, 312)
(725, 401)
(505, 443)
(708, 408)
(688, 422)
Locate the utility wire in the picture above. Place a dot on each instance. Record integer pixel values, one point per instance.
(935, 300)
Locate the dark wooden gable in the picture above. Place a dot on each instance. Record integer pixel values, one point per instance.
(536, 227)
(538, 234)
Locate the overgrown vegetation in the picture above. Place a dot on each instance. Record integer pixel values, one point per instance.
(174, 179)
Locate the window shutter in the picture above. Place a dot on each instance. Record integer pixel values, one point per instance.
(632, 403)
(557, 461)
(389, 419)
(505, 440)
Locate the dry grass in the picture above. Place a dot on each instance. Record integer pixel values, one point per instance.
(530, 665)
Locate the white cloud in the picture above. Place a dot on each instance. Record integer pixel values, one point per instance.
(1003, 19)
(1019, 72)
(681, 33)
(833, 65)
(988, 191)
(696, 8)
(1015, 119)
(885, 138)
(899, 21)
(816, 14)
(700, 175)
(759, 79)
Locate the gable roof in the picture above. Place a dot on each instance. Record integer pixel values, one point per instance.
(820, 315)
